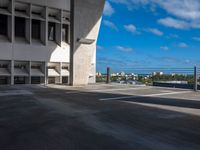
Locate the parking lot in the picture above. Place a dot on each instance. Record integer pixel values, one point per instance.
(98, 117)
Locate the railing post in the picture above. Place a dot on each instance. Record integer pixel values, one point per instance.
(108, 75)
(195, 79)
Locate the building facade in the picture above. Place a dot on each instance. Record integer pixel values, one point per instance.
(48, 41)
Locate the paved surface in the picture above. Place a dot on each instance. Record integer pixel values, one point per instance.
(98, 117)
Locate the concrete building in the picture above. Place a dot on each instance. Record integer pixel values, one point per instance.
(49, 41)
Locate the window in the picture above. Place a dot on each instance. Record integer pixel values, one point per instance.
(65, 33)
(3, 25)
(3, 66)
(20, 66)
(35, 67)
(19, 27)
(36, 29)
(65, 67)
(52, 31)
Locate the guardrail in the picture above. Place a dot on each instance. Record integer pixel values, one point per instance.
(153, 76)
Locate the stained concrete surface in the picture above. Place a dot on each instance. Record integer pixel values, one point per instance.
(66, 118)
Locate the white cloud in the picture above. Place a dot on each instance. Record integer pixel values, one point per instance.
(99, 47)
(155, 31)
(182, 45)
(165, 48)
(184, 14)
(196, 38)
(187, 61)
(110, 24)
(175, 23)
(125, 49)
(185, 9)
(108, 9)
(130, 28)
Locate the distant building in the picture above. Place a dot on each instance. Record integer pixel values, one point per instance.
(122, 73)
(98, 74)
(157, 73)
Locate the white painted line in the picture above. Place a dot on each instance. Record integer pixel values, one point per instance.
(120, 89)
(73, 92)
(171, 93)
(150, 95)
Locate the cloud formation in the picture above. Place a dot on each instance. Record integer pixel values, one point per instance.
(196, 38)
(124, 49)
(183, 14)
(108, 9)
(155, 31)
(131, 28)
(110, 24)
(182, 45)
(165, 48)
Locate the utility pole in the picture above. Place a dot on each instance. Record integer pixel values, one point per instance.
(108, 75)
(195, 79)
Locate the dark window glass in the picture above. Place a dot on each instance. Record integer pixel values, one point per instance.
(20, 66)
(65, 33)
(19, 27)
(52, 31)
(3, 24)
(35, 29)
(35, 67)
(3, 66)
(65, 67)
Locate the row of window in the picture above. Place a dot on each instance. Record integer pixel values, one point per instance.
(20, 29)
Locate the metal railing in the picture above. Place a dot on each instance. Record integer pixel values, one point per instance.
(168, 77)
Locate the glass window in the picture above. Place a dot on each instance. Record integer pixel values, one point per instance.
(65, 33)
(52, 31)
(3, 24)
(36, 29)
(19, 27)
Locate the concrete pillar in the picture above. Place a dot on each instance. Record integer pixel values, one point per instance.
(46, 27)
(29, 67)
(85, 23)
(61, 72)
(45, 73)
(13, 21)
(28, 25)
(12, 72)
(59, 29)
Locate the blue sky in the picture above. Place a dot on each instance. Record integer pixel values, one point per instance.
(149, 33)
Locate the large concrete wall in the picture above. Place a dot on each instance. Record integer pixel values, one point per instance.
(86, 19)
(35, 51)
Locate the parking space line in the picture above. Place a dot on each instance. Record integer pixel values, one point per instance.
(120, 89)
(149, 95)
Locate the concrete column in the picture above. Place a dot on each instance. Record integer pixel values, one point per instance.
(58, 33)
(13, 21)
(12, 72)
(28, 30)
(59, 30)
(28, 25)
(45, 73)
(61, 72)
(46, 27)
(85, 23)
(29, 80)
